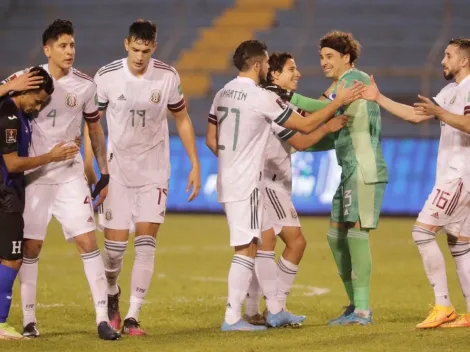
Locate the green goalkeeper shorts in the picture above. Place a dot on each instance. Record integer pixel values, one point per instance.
(355, 201)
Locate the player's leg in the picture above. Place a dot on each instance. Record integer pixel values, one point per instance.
(290, 232)
(244, 219)
(37, 215)
(338, 242)
(150, 205)
(436, 213)
(115, 217)
(458, 237)
(73, 208)
(11, 253)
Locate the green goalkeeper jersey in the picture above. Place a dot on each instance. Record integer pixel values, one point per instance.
(358, 143)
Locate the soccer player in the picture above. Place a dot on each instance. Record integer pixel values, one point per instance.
(447, 205)
(244, 113)
(357, 202)
(59, 189)
(15, 136)
(281, 217)
(136, 92)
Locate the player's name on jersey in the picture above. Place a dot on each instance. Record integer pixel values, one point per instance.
(233, 94)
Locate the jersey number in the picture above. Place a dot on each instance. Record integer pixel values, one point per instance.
(140, 113)
(225, 110)
(52, 114)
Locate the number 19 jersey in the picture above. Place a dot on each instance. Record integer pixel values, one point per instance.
(136, 113)
(243, 113)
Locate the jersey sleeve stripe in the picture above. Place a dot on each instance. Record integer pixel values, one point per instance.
(110, 70)
(92, 115)
(466, 110)
(212, 119)
(82, 75)
(286, 134)
(177, 107)
(111, 65)
(283, 117)
(168, 68)
(102, 106)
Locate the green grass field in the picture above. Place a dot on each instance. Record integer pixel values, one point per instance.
(187, 299)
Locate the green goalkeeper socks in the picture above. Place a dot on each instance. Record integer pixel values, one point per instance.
(358, 242)
(339, 247)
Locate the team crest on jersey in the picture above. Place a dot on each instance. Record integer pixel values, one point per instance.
(10, 135)
(108, 215)
(293, 213)
(452, 101)
(71, 100)
(468, 97)
(155, 96)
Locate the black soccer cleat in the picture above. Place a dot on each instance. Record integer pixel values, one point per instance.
(106, 332)
(132, 327)
(31, 331)
(113, 311)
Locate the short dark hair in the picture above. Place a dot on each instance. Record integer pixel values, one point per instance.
(47, 83)
(276, 63)
(244, 55)
(463, 44)
(342, 42)
(56, 29)
(143, 30)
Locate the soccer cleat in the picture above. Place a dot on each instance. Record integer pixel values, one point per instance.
(463, 321)
(106, 332)
(438, 316)
(356, 319)
(132, 328)
(113, 311)
(241, 325)
(8, 332)
(338, 321)
(257, 319)
(284, 318)
(31, 331)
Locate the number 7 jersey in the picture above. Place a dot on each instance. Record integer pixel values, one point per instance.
(136, 113)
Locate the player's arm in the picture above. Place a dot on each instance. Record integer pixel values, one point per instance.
(88, 158)
(211, 134)
(312, 121)
(308, 104)
(304, 141)
(403, 111)
(9, 149)
(427, 107)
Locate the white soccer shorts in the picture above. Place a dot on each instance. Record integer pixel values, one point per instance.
(447, 206)
(70, 203)
(125, 206)
(244, 219)
(279, 210)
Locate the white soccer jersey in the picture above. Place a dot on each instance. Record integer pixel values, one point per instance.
(453, 159)
(136, 112)
(74, 98)
(243, 113)
(278, 164)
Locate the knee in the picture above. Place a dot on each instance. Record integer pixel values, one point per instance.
(32, 248)
(145, 248)
(422, 235)
(86, 243)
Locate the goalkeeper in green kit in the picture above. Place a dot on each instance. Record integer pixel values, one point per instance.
(357, 202)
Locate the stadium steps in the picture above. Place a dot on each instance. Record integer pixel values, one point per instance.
(210, 52)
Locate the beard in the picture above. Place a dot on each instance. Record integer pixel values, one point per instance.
(449, 76)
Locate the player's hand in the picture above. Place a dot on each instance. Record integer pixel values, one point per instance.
(426, 107)
(24, 82)
(348, 95)
(101, 189)
(337, 123)
(194, 181)
(370, 92)
(62, 152)
(90, 177)
(284, 94)
(78, 141)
